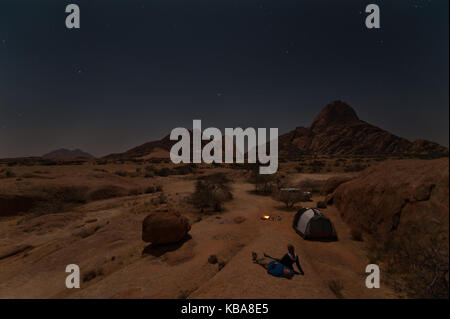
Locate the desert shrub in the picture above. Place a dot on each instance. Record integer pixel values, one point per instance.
(126, 174)
(121, 173)
(150, 190)
(69, 194)
(134, 192)
(289, 198)
(88, 276)
(184, 169)
(163, 172)
(41, 172)
(356, 235)
(29, 175)
(56, 199)
(415, 261)
(336, 287)
(312, 185)
(105, 192)
(211, 192)
(317, 164)
(101, 170)
(264, 184)
(153, 189)
(321, 205)
(355, 168)
(10, 174)
(149, 171)
(162, 198)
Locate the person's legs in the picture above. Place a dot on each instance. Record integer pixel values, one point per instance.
(260, 261)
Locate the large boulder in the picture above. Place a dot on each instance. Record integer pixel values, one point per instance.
(392, 194)
(164, 227)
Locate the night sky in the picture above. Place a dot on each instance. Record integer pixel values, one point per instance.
(137, 69)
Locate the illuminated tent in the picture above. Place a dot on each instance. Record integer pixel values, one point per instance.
(311, 224)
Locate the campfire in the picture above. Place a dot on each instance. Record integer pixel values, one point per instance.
(270, 218)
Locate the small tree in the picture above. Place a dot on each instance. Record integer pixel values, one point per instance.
(289, 197)
(211, 192)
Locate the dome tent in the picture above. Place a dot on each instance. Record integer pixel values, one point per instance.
(311, 224)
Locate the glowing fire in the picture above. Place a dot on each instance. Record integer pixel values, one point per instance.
(266, 217)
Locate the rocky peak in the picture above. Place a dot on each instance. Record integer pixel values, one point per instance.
(335, 113)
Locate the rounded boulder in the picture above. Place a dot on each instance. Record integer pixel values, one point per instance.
(164, 228)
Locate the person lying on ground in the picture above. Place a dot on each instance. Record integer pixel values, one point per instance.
(289, 259)
(287, 262)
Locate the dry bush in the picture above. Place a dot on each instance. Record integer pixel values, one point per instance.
(316, 166)
(312, 185)
(134, 192)
(88, 276)
(106, 192)
(211, 192)
(267, 184)
(55, 199)
(416, 260)
(355, 168)
(289, 198)
(7, 173)
(356, 235)
(121, 173)
(151, 170)
(336, 287)
(153, 189)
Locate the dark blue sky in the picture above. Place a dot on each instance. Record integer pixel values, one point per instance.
(137, 69)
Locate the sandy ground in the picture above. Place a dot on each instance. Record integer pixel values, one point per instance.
(104, 239)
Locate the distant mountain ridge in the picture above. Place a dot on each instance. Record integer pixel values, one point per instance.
(63, 153)
(336, 130)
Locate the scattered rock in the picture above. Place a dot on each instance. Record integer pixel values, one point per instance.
(213, 259)
(164, 228)
(198, 219)
(321, 205)
(92, 274)
(239, 219)
(221, 265)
